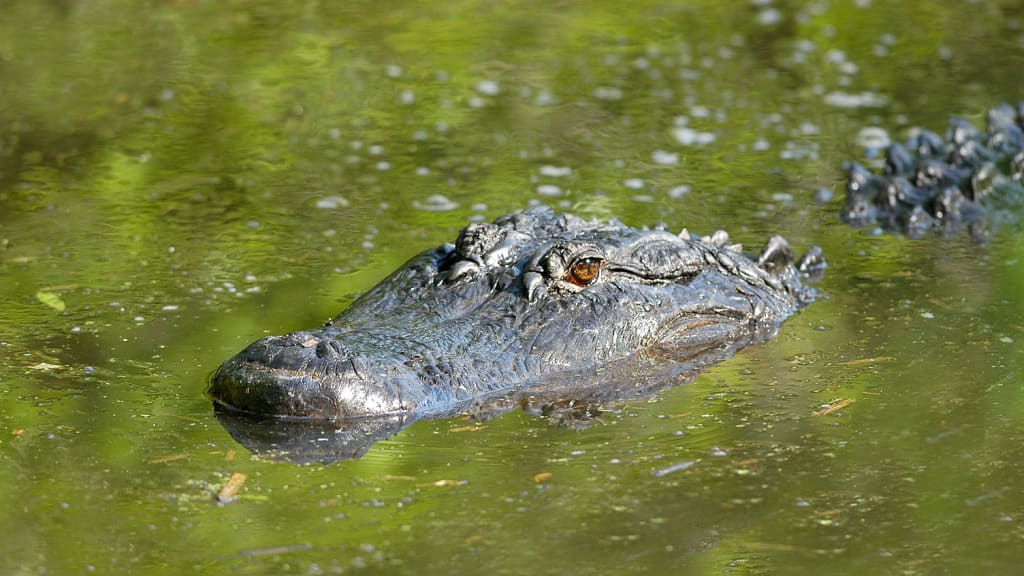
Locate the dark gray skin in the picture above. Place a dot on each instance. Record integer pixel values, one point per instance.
(536, 303)
(969, 179)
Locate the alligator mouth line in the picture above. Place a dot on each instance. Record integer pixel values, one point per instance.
(616, 271)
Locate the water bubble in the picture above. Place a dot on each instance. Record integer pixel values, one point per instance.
(555, 171)
(435, 203)
(769, 17)
(666, 158)
(488, 87)
(678, 191)
(873, 138)
(862, 100)
(331, 202)
(690, 137)
(608, 93)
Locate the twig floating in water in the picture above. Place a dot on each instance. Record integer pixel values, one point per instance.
(230, 488)
(834, 407)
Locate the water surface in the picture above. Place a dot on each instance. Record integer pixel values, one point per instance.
(178, 179)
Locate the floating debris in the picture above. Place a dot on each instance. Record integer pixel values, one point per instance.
(448, 482)
(51, 299)
(834, 406)
(168, 458)
(229, 491)
(470, 428)
(677, 467)
(863, 361)
(275, 550)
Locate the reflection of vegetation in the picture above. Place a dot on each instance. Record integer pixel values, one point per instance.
(159, 169)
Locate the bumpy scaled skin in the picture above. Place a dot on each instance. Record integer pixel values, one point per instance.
(969, 179)
(532, 301)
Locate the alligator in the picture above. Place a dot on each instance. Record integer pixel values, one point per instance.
(971, 179)
(541, 310)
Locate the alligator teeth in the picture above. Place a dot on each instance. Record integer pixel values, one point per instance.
(736, 248)
(775, 255)
(719, 238)
(1017, 167)
(812, 263)
(460, 269)
(684, 234)
(532, 283)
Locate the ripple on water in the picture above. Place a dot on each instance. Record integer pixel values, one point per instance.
(435, 203)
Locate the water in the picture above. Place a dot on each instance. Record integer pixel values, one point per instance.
(179, 179)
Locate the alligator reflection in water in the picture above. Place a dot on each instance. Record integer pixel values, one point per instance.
(971, 179)
(545, 311)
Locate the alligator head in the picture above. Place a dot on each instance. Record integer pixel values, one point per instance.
(535, 302)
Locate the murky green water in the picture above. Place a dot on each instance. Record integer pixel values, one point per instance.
(180, 178)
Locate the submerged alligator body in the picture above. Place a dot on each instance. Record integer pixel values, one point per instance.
(970, 179)
(536, 309)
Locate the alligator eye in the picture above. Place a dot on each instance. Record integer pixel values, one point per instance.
(584, 271)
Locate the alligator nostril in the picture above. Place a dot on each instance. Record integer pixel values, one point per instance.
(331, 349)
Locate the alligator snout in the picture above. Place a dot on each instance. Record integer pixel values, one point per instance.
(301, 375)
